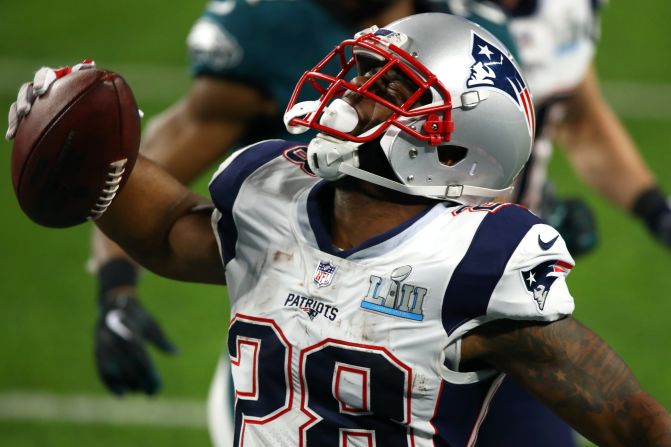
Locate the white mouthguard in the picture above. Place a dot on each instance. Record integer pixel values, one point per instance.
(340, 116)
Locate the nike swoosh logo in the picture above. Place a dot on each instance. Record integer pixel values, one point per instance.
(114, 323)
(548, 244)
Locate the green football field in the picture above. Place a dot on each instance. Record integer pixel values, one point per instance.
(49, 392)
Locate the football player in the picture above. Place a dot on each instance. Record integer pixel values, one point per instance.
(377, 296)
(241, 84)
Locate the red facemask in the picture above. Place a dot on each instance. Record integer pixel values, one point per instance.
(356, 56)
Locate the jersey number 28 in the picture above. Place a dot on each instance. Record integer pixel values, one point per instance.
(351, 393)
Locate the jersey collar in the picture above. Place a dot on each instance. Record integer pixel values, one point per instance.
(369, 248)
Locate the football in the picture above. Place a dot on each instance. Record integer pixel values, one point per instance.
(76, 148)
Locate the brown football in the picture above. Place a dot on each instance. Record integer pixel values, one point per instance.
(76, 148)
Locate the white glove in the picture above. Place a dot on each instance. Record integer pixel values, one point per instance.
(29, 91)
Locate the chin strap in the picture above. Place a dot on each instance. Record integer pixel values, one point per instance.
(451, 192)
(331, 158)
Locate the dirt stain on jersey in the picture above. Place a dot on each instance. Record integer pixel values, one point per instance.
(280, 257)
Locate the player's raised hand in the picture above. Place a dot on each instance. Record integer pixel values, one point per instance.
(29, 91)
(122, 332)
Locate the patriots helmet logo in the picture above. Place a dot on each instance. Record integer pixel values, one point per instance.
(493, 68)
(539, 279)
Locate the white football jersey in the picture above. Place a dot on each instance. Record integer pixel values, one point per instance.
(361, 346)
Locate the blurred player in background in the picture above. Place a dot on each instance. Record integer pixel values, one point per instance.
(232, 62)
(432, 120)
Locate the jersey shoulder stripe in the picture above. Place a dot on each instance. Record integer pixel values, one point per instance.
(228, 180)
(471, 286)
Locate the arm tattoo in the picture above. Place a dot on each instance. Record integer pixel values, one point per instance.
(568, 357)
(579, 376)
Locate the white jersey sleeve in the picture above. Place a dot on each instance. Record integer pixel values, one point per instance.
(514, 268)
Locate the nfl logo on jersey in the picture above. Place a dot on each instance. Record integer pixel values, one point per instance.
(324, 273)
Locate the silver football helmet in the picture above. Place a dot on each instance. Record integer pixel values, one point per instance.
(463, 134)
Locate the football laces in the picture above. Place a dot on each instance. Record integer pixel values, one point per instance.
(114, 177)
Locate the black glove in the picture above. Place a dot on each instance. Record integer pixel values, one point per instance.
(123, 326)
(573, 219)
(654, 208)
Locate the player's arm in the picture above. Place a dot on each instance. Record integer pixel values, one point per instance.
(576, 374)
(607, 159)
(600, 148)
(164, 226)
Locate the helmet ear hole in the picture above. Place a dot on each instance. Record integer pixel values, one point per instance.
(451, 155)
